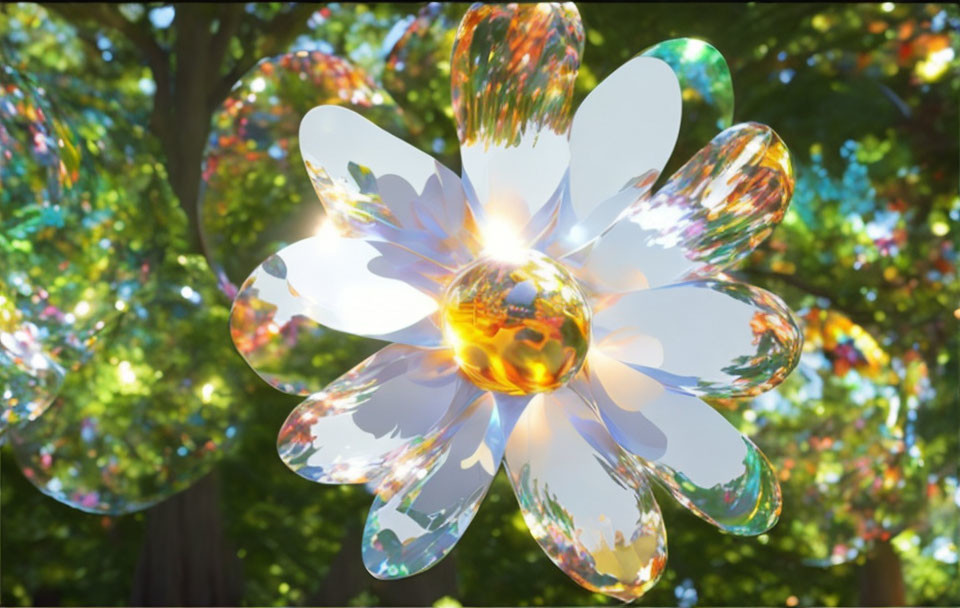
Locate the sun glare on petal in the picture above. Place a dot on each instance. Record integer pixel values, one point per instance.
(502, 240)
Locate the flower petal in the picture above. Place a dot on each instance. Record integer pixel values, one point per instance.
(586, 503)
(623, 130)
(376, 186)
(706, 88)
(29, 377)
(709, 466)
(711, 213)
(432, 493)
(512, 74)
(340, 283)
(348, 432)
(754, 340)
(252, 160)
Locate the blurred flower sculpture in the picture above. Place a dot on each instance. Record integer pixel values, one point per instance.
(549, 309)
(101, 324)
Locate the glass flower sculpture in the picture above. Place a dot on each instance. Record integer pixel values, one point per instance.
(547, 310)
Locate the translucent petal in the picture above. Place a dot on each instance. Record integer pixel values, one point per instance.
(340, 283)
(72, 231)
(152, 410)
(425, 41)
(583, 499)
(376, 186)
(623, 130)
(431, 494)
(512, 75)
(416, 71)
(711, 213)
(351, 430)
(38, 157)
(252, 167)
(707, 465)
(707, 91)
(29, 377)
(709, 338)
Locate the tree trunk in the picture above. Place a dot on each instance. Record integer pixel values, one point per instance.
(184, 561)
(881, 578)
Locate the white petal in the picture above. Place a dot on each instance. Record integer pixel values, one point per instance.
(334, 137)
(511, 183)
(350, 431)
(625, 128)
(706, 463)
(587, 505)
(376, 186)
(711, 213)
(341, 283)
(432, 493)
(712, 338)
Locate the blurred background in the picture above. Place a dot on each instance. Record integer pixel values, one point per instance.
(136, 137)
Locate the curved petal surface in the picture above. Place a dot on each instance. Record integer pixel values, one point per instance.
(706, 88)
(29, 377)
(754, 340)
(252, 160)
(432, 492)
(709, 466)
(711, 213)
(623, 130)
(585, 502)
(512, 74)
(339, 283)
(348, 432)
(376, 186)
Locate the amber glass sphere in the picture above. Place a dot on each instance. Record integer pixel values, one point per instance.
(517, 327)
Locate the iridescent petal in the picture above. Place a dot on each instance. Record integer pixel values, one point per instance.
(512, 74)
(151, 411)
(71, 225)
(624, 130)
(350, 431)
(706, 88)
(710, 214)
(754, 340)
(707, 465)
(431, 494)
(340, 283)
(583, 499)
(376, 186)
(416, 71)
(252, 164)
(37, 155)
(29, 377)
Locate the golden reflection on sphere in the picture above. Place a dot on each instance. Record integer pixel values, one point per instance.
(517, 327)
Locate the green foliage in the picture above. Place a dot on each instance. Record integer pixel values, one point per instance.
(865, 97)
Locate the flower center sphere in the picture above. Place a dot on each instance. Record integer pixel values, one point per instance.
(518, 327)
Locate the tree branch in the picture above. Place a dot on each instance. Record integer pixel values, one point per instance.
(859, 316)
(276, 37)
(230, 18)
(106, 15)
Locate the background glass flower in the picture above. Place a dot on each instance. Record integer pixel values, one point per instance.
(98, 321)
(553, 244)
